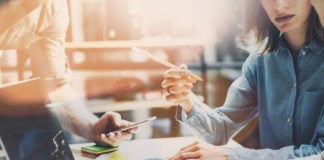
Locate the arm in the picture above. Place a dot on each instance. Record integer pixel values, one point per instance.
(48, 59)
(203, 150)
(219, 125)
(289, 152)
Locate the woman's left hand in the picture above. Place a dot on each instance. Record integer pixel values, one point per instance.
(201, 150)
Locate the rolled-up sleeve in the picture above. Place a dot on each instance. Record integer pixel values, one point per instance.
(48, 58)
(218, 125)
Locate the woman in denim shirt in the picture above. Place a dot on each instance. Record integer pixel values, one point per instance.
(281, 82)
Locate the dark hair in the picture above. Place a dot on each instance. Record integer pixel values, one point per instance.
(2, 2)
(257, 25)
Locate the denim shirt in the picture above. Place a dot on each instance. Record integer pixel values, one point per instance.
(288, 97)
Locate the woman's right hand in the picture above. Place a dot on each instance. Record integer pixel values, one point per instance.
(177, 86)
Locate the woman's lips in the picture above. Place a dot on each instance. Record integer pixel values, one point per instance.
(283, 19)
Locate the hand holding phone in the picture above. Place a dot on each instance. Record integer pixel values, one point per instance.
(134, 125)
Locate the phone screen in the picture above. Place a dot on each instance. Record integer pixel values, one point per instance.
(135, 124)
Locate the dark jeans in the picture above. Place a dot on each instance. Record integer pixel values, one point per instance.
(33, 138)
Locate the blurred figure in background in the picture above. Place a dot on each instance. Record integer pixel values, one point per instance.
(281, 83)
(38, 28)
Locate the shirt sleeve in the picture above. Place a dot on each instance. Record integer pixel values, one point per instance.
(48, 58)
(218, 125)
(303, 152)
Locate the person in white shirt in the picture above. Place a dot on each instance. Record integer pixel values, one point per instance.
(38, 28)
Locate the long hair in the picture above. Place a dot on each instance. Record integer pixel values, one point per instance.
(258, 34)
(2, 2)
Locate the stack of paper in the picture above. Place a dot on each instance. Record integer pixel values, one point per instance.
(94, 150)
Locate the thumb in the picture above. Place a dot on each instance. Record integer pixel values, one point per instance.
(113, 118)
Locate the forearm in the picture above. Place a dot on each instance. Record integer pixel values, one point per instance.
(212, 125)
(72, 113)
(285, 153)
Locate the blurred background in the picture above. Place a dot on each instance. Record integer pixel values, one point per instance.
(110, 77)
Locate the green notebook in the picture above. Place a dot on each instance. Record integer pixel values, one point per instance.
(95, 150)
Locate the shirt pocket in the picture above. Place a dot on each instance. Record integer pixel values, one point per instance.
(18, 38)
(312, 103)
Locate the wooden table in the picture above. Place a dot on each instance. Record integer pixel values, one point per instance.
(160, 148)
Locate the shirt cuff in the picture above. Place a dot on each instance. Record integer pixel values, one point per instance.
(182, 116)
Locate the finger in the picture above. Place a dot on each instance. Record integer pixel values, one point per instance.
(133, 130)
(190, 155)
(127, 135)
(175, 157)
(169, 82)
(179, 89)
(125, 123)
(176, 73)
(108, 139)
(185, 148)
(176, 90)
(114, 118)
(177, 98)
(186, 156)
(115, 138)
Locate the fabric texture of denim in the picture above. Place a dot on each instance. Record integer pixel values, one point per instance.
(288, 97)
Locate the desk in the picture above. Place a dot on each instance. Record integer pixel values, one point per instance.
(142, 149)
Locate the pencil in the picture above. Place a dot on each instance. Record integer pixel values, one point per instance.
(161, 61)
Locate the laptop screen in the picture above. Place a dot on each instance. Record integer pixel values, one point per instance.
(28, 128)
(34, 138)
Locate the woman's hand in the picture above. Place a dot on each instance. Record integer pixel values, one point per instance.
(201, 150)
(111, 121)
(177, 86)
(319, 7)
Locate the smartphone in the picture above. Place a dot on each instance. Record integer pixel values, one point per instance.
(134, 125)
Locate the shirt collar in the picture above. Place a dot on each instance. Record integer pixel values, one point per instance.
(315, 46)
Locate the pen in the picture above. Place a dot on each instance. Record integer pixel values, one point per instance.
(162, 61)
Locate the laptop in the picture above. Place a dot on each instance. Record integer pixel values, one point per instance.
(35, 132)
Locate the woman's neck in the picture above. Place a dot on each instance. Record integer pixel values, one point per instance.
(296, 39)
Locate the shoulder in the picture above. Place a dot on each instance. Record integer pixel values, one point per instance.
(54, 16)
(257, 61)
(53, 6)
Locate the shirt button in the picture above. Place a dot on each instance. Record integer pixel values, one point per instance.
(192, 120)
(295, 85)
(303, 53)
(289, 120)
